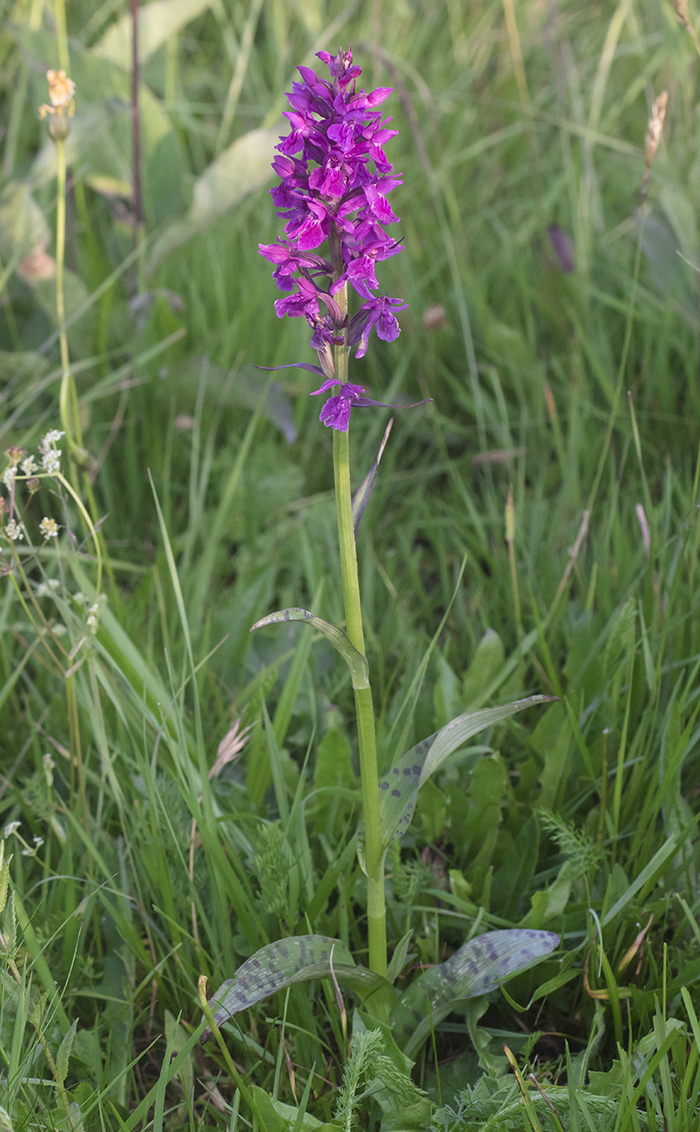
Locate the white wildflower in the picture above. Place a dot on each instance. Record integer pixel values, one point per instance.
(52, 437)
(51, 461)
(92, 623)
(48, 528)
(8, 476)
(79, 598)
(42, 590)
(53, 583)
(48, 762)
(14, 530)
(59, 630)
(29, 466)
(11, 827)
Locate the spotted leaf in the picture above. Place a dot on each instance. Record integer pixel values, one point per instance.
(288, 961)
(398, 792)
(478, 967)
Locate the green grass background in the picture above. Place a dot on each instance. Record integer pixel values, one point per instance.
(576, 390)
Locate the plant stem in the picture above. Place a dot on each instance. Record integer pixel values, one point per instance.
(62, 35)
(374, 857)
(366, 735)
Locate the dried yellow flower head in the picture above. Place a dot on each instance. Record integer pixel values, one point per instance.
(61, 95)
(656, 125)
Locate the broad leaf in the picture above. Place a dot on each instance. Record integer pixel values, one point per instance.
(23, 226)
(398, 792)
(239, 170)
(477, 968)
(288, 961)
(158, 21)
(356, 662)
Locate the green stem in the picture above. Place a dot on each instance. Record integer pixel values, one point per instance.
(366, 736)
(374, 857)
(60, 256)
(62, 35)
(69, 409)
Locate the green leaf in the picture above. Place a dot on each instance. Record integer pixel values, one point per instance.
(361, 497)
(4, 875)
(239, 170)
(334, 762)
(23, 226)
(399, 790)
(64, 1051)
(356, 662)
(288, 961)
(486, 663)
(400, 957)
(477, 968)
(276, 1116)
(388, 1081)
(176, 1037)
(158, 21)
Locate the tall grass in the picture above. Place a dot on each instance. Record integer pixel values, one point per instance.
(212, 486)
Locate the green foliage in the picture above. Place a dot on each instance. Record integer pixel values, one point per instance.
(143, 858)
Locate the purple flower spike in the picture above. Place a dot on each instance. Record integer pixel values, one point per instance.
(334, 182)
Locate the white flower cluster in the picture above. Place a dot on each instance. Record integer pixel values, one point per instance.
(45, 588)
(50, 455)
(93, 610)
(48, 528)
(14, 530)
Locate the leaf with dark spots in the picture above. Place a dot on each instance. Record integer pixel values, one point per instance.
(480, 966)
(398, 791)
(285, 962)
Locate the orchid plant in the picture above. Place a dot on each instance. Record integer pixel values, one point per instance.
(334, 182)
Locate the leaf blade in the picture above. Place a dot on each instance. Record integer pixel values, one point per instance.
(285, 962)
(398, 791)
(356, 662)
(478, 967)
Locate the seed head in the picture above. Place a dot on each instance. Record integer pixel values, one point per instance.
(656, 125)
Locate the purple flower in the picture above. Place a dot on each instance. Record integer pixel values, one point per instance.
(336, 411)
(334, 182)
(377, 313)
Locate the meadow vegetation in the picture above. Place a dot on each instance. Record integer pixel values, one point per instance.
(177, 793)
